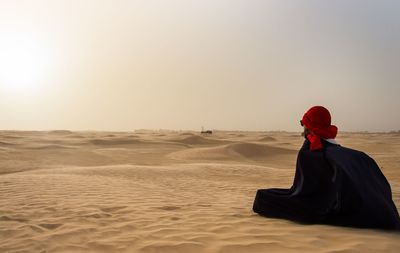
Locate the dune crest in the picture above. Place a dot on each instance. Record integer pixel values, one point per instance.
(235, 151)
(252, 150)
(197, 140)
(3, 143)
(115, 141)
(267, 138)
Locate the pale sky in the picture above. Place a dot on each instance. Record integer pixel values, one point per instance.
(234, 65)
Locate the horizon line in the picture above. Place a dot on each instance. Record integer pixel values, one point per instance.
(183, 130)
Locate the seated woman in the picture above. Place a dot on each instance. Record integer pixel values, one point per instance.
(332, 184)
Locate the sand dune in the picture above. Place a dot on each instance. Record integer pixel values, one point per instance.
(50, 147)
(251, 150)
(3, 143)
(60, 132)
(233, 152)
(197, 140)
(115, 141)
(150, 194)
(209, 153)
(76, 136)
(267, 138)
(10, 137)
(186, 134)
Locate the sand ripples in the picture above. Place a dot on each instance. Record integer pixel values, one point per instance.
(121, 196)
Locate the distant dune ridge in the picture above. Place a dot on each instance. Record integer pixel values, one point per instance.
(166, 191)
(197, 140)
(267, 138)
(3, 143)
(235, 151)
(115, 141)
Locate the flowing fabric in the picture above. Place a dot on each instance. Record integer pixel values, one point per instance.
(334, 185)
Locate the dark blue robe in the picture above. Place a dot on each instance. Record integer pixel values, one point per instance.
(334, 185)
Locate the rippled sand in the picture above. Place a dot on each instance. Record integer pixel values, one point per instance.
(164, 191)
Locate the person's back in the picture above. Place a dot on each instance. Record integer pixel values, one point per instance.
(364, 193)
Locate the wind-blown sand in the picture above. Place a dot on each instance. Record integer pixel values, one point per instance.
(63, 191)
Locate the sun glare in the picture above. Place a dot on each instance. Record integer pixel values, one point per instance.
(23, 64)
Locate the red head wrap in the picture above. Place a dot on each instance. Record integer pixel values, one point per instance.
(318, 120)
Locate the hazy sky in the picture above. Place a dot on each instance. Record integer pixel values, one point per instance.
(237, 65)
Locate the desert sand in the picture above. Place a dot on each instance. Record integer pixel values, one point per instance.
(167, 191)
